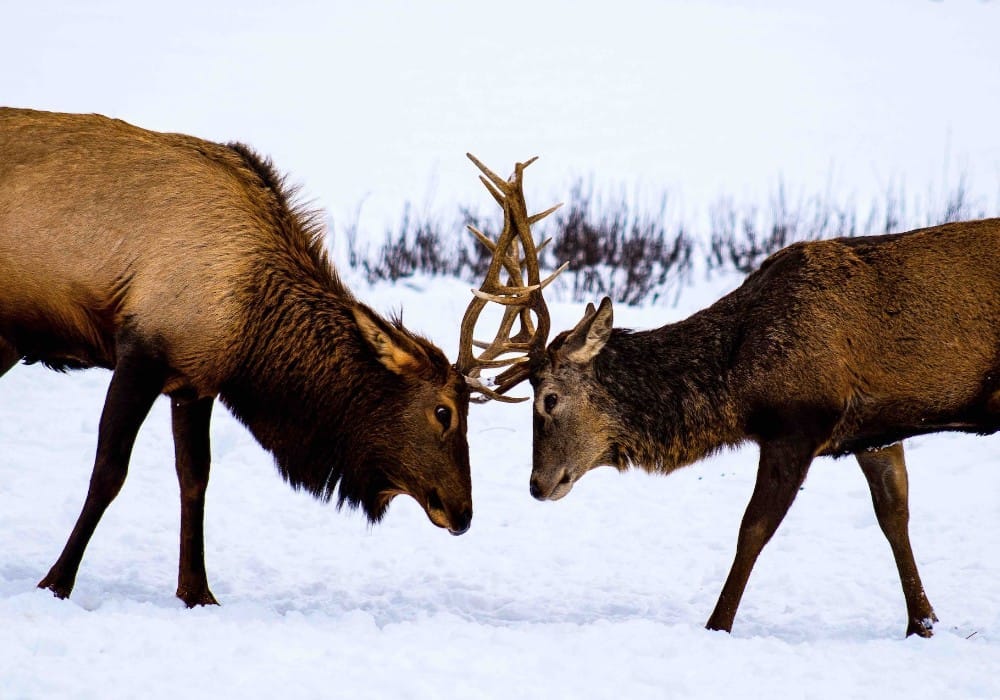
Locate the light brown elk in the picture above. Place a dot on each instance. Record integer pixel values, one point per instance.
(832, 347)
(185, 267)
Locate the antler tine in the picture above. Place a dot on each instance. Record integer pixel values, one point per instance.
(488, 393)
(511, 377)
(516, 295)
(497, 195)
(521, 297)
(492, 176)
(482, 238)
(510, 262)
(496, 179)
(535, 218)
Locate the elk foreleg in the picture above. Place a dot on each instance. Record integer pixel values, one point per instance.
(137, 381)
(885, 471)
(192, 451)
(782, 469)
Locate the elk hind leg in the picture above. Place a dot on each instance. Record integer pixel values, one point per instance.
(192, 451)
(783, 467)
(885, 471)
(137, 381)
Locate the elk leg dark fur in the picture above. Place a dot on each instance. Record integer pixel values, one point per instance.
(192, 451)
(8, 356)
(137, 381)
(885, 471)
(782, 469)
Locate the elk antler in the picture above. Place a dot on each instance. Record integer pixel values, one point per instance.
(518, 299)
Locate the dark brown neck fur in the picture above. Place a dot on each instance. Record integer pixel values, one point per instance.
(304, 390)
(303, 383)
(669, 391)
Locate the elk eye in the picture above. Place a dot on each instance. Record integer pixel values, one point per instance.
(443, 415)
(550, 402)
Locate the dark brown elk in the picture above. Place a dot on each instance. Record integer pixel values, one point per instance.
(833, 347)
(186, 268)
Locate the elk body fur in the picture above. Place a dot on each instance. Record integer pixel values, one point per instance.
(833, 347)
(186, 267)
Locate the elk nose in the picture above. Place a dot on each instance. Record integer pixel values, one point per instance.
(461, 522)
(536, 490)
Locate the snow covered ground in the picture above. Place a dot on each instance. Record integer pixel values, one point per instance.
(603, 594)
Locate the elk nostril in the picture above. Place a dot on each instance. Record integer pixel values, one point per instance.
(462, 522)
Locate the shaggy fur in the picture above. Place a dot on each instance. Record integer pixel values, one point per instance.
(833, 347)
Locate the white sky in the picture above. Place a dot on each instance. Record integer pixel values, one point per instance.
(378, 102)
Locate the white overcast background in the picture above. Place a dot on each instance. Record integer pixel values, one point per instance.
(375, 104)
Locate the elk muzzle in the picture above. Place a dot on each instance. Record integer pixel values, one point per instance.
(551, 485)
(455, 517)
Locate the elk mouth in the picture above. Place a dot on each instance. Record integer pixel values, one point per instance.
(545, 490)
(457, 524)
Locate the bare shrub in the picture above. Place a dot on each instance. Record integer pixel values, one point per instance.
(614, 250)
(617, 249)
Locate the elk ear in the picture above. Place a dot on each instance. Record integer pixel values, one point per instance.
(394, 350)
(590, 334)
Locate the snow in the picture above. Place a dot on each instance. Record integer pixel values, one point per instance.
(602, 594)
(605, 593)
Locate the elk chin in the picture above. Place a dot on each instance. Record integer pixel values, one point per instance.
(438, 514)
(562, 488)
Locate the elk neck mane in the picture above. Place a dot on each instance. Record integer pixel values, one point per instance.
(297, 231)
(670, 390)
(307, 385)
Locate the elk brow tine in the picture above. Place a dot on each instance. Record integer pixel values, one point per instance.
(511, 377)
(490, 394)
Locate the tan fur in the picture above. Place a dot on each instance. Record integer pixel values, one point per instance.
(184, 266)
(164, 256)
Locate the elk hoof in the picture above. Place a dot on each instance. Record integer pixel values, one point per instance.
(59, 591)
(715, 626)
(923, 627)
(193, 598)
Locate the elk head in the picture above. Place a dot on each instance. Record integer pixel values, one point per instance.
(416, 429)
(574, 425)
